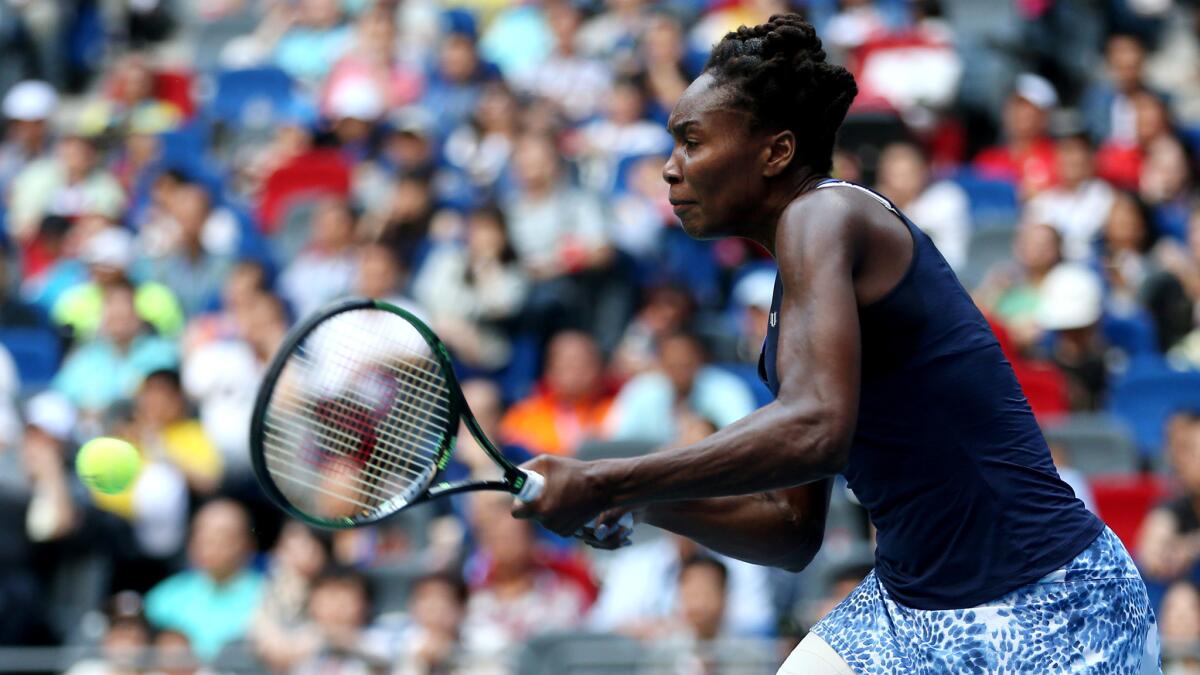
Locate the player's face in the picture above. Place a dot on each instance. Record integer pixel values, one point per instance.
(715, 170)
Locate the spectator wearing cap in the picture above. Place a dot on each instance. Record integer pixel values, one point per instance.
(213, 601)
(108, 255)
(1070, 306)
(27, 107)
(455, 83)
(72, 182)
(355, 106)
(645, 408)
(1078, 205)
(111, 365)
(1027, 156)
(752, 296)
(941, 207)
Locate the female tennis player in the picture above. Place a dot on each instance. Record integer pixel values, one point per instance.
(884, 372)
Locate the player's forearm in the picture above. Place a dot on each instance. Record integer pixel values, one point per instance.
(778, 446)
(769, 528)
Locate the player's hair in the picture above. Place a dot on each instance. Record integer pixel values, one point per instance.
(705, 560)
(777, 72)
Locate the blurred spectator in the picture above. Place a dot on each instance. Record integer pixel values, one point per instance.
(481, 147)
(668, 309)
(405, 149)
(1166, 185)
(27, 108)
(661, 70)
(326, 268)
(108, 255)
(299, 556)
(111, 365)
(640, 591)
(456, 83)
(641, 212)
(516, 591)
(1107, 103)
(131, 93)
(404, 216)
(336, 636)
(612, 33)
(1120, 163)
(575, 83)
(165, 430)
(646, 406)
(372, 57)
(940, 208)
(383, 276)
(1078, 206)
(1125, 250)
(1027, 156)
(14, 311)
(623, 132)
(125, 643)
(570, 403)
(70, 183)
(474, 292)
(316, 36)
(437, 606)
(223, 376)
(1012, 292)
(1180, 628)
(1169, 541)
(56, 498)
(220, 591)
(191, 250)
(1071, 305)
(175, 656)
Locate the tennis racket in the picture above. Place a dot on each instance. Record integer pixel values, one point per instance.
(357, 417)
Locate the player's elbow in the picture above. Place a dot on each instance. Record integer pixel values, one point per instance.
(821, 439)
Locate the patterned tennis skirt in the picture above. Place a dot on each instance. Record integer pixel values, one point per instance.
(1091, 616)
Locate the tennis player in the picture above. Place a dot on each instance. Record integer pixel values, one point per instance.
(885, 372)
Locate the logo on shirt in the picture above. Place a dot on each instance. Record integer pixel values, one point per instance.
(773, 319)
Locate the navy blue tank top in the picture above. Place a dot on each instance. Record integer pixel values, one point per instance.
(947, 457)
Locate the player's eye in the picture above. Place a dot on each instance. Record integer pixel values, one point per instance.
(691, 144)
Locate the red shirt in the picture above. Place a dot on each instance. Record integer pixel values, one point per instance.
(1033, 170)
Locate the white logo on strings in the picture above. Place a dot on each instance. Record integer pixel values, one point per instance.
(773, 319)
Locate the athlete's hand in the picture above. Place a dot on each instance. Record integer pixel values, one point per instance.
(570, 499)
(609, 533)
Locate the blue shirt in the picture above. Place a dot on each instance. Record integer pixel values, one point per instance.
(947, 457)
(210, 615)
(96, 375)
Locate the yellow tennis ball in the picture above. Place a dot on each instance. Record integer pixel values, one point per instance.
(107, 465)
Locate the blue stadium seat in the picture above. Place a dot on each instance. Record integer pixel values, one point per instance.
(1146, 397)
(748, 373)
(251, 97)
(36, 351)
(1133, 334)
(993, 202)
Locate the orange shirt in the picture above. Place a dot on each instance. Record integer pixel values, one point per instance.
(543, 424)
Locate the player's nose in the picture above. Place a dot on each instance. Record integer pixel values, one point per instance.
(670, 172)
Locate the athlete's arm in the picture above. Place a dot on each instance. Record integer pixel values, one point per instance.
(801, 437)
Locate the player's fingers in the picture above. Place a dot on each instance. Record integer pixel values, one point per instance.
(523, 510)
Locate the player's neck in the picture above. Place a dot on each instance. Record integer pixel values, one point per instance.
(777, 203)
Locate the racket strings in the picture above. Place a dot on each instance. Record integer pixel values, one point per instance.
(357, 417)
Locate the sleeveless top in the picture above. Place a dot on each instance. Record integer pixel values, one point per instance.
(947, 457)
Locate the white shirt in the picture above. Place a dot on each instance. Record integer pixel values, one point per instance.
(1077, 214)
(943, 212)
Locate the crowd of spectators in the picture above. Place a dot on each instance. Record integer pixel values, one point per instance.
(181, 181)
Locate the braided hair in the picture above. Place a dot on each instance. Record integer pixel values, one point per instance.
(777, 72)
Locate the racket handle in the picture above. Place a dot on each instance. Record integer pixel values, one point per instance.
(532, 489)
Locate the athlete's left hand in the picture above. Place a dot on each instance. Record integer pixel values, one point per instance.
(570, 499)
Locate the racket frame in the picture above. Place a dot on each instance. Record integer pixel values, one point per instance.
(513, 481)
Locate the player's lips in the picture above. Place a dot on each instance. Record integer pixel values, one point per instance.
(681, 204)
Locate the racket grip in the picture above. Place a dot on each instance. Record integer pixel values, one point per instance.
(532, 489)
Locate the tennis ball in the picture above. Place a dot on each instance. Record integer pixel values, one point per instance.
(107, 465)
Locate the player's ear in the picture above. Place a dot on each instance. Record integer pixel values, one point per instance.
(778, 153)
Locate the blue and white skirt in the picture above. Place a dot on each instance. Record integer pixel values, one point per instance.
(1091, 616)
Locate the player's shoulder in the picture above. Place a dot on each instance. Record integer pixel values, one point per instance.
(821, 221)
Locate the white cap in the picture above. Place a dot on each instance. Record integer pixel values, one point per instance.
(110, 247)
(756, 289)
(1071, 297)
(1037, 90)
(29, 101)
(356, 98)
(51, 412)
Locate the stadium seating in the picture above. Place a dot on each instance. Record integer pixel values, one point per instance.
(988, 246)
(993, 202)
(1146, 396)
(250, 97)
(36, 351)
(1097, 443)
(579, 653)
